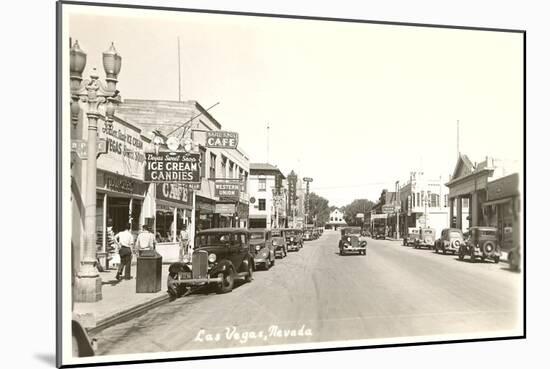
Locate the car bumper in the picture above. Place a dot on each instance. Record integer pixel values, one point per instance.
(261, 260)
(353, 249)
(195, 281)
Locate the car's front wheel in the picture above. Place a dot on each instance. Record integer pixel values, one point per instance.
(227, 283)
(460, 254)
(341, 252)
(496, 259)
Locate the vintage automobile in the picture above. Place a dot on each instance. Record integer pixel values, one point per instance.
(308, 233)
(315, 233)
(351, 241)
(278, 239)
(450, 240)
(379, 232)
(221, 256)
(482, 243)
(426, 238)
(263, 249)
(412, 235)
(294, 241)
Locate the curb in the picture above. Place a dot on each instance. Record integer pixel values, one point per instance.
(128, 314)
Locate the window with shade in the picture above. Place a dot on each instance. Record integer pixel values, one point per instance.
(212, 165)
(203, 161)
(261, 184)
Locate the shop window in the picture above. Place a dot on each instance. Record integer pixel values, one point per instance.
(446, 200)
(434, 200)
(212, 165)
(164, 220)
(261, 184)
(261, 204)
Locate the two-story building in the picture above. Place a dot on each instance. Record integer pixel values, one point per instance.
(267, 201)
(424, 202)
(203, 208)
(336, 219)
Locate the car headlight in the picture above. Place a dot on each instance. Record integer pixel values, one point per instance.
(257, 247)
(349, 239)
(186, 259)
(291, 239)
(212, 258)
(274, 243)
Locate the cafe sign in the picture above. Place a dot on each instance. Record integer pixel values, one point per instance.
(169, 167)
(228, 191)
(174, 192)
(222, 139)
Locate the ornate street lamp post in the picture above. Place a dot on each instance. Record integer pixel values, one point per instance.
(91, 95)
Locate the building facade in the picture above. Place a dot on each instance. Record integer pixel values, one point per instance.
(267, 201)
(424, 203)
(336, 219)
(218, 166)
(469, 183)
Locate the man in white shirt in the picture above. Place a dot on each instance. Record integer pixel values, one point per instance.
(126, 240)
(145, 240)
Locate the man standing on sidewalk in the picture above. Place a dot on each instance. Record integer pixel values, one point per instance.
(145, 240)
(126, 240)
(184, 242)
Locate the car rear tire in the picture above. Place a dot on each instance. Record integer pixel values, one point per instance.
(460, 255)
(228, 281)
(444, 251)
(273, 262)
(472, 257)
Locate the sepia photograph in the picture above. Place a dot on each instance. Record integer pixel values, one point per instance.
(235, 184)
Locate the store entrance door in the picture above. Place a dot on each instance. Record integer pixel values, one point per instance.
(118, 209)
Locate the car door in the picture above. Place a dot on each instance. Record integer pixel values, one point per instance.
(236, 251)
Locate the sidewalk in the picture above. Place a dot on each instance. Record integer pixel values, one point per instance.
(120, 301)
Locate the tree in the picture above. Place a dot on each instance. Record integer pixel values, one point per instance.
(318, 209)
(357, 206)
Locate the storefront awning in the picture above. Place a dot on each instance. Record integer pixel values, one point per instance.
(496, 202)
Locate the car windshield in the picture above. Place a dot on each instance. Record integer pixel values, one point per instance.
(256, 236)
(291, 233)
(275, 233)
(428, 231)
(487, 233)
(455, 234)
(352, 231)
(217, 239)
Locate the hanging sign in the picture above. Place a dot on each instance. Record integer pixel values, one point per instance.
(227, 191)
(222, 139)
(167, 167)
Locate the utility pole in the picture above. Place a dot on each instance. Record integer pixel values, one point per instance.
(457, 139)
(267, 143)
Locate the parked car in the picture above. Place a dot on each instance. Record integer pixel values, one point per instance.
(262, 248)
(308, 233)
(411, 236)
(278, 239)
(514, 258)
(482, 243)
(294, 240)
(351, 241)
(379, 232)
(426, 238)
(450, 240)
(221, 256)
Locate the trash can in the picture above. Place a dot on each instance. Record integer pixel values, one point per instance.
(149, 272)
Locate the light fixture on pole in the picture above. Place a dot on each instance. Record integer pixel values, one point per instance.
(91, 96)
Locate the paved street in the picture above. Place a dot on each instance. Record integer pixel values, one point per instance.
(394, 291)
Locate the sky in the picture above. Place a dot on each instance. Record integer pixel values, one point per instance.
(355, 106)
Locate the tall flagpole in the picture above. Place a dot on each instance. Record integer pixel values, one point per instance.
(179, 71)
